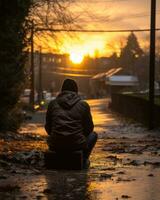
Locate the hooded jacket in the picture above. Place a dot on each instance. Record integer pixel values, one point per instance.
(68, 122)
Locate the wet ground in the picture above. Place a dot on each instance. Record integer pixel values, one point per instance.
(125, 163)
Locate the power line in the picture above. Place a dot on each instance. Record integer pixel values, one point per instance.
(94, 31)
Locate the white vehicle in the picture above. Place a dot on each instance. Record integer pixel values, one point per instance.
(25, 97)
(47, 96)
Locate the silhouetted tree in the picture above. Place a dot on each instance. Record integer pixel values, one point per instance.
(51, 14)
(12, 58)
(114, 60)
(130, 54)
(15, 16)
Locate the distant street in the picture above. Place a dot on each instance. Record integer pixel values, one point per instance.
(102, 117)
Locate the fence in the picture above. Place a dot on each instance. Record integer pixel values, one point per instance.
(134, 107)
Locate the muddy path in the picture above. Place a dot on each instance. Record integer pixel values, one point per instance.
(125, 163)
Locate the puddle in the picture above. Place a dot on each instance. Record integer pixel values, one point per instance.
(113, 175)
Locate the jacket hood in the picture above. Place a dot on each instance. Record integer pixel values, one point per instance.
(67, 99)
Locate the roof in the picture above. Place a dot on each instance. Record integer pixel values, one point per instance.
(111, 78)
(108, 73)
(122, 80)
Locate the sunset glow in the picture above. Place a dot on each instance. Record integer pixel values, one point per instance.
(100, 15)
(76, 58)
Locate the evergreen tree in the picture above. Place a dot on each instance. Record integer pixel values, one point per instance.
(130, 54)
(13, 31)
(114, 60)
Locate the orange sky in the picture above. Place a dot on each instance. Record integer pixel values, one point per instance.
(104, 14)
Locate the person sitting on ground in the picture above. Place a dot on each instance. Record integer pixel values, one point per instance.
(69, 122)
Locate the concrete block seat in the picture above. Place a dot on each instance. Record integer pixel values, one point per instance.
(64, 160)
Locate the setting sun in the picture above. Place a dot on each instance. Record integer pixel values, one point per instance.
(76, 58)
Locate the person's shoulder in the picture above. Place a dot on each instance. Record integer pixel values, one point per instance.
(52, 103)
(84, 104)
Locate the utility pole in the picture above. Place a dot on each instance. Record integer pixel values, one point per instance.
(40, 95)
(32, 67)
(152, 64)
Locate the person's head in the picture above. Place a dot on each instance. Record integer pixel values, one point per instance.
(69, 85)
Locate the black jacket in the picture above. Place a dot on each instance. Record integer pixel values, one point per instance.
(68, 121)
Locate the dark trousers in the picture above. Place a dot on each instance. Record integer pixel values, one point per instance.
(91, 141)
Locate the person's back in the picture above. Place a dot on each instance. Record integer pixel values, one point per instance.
(68, 120)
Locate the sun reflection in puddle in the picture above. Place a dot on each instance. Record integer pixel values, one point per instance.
(101, 115)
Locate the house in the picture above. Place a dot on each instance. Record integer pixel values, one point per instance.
(111, 81)
(117, 83)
